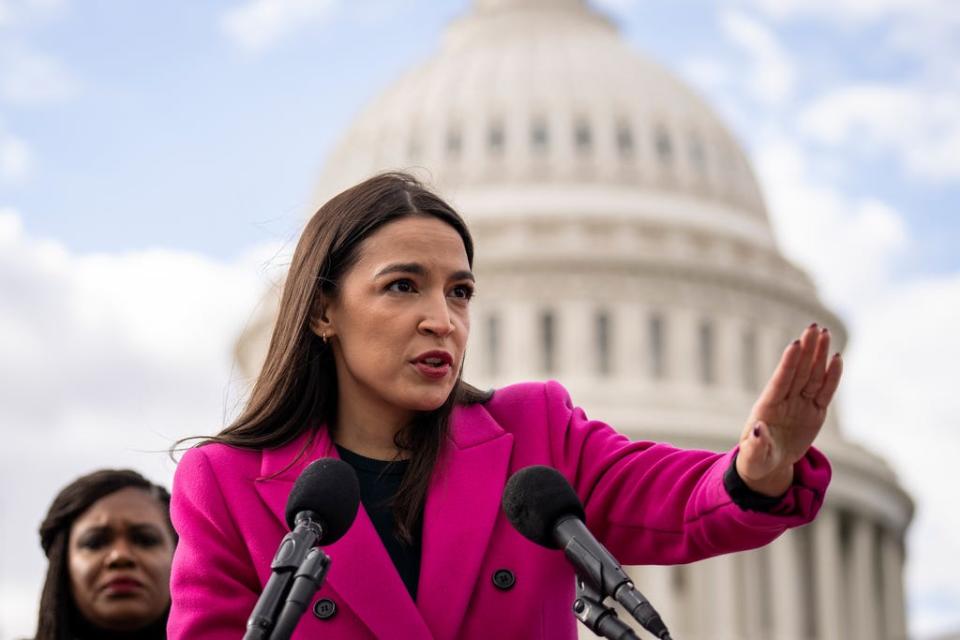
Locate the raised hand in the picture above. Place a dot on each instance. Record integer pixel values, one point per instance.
(787, 417)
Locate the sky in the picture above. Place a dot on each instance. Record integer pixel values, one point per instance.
(157, 159)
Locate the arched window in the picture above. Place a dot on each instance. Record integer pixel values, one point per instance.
(539, 135)
(496, 137)
(664, 146)
(624, 140)
(706, 351)
(583, 136)
(748, 359)
(454, 143)
(657, 345)
(548, 341)
(603, 330)
(414, 148)
(698, 157)
(493, 344)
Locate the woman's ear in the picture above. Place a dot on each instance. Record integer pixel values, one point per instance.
(320, 322)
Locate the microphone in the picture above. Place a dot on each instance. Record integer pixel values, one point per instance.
(540, 504)
(320, 508)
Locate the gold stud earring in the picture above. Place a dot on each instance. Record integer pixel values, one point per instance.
(323, 336)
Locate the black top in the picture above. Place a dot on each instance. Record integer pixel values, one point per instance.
(379, 483)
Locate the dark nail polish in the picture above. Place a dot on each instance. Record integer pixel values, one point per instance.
(824, 330)
(813, 325)
(796, 342)
(756, 430)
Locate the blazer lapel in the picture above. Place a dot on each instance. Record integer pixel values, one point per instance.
(361, 571)
(463, 502)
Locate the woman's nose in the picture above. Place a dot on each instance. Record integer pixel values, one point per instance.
(436, 317)
(120, 555)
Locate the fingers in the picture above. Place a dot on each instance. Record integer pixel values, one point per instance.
(779, 385)
(819, 366)
(808, 344)
(831, 381)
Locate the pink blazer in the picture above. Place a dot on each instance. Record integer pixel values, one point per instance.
(648, 503)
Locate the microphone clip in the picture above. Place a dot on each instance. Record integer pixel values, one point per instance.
(598, 617)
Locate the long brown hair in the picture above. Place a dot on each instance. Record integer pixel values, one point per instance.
(58, 616)
(296, 390)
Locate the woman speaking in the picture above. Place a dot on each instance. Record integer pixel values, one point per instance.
(365, 364)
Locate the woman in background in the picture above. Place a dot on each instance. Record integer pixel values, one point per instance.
(109, 543)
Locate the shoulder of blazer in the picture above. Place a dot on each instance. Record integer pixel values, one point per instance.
(527, 405)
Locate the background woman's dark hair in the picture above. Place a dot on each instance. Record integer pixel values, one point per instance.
(56, 603)
(297, 387)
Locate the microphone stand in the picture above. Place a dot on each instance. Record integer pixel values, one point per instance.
(596, 616)
(290, 555)
(306, 583)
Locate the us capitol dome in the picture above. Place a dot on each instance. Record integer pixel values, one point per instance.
(624, 248)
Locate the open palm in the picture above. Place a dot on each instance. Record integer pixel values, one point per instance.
(787, 417)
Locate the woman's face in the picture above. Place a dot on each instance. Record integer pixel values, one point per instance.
(401, 317)
(120, 551)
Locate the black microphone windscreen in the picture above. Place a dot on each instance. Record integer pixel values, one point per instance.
(330, 489)
(535, 498)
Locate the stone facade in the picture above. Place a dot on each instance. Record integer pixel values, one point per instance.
(623, 247)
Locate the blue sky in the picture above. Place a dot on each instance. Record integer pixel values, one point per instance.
(171, 134)
(151, 152)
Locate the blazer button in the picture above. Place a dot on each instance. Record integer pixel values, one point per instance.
(504, 579)
(324, 608)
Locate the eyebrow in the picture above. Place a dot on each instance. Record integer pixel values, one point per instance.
(418, 269)
(135, 526)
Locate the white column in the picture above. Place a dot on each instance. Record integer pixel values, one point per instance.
(700, 608)
(863, 587)
(576, 342)
(657, 585)
(751, 566)
(828, 574)
(476, 367)
(893, 601)
(518, 342)
(724, 599)
(785, 583)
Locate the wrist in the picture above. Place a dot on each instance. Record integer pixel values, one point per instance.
(774, 484)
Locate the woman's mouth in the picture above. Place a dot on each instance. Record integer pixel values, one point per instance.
(434, 365)
(122, 586)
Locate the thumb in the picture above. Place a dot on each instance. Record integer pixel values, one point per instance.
(758, 455)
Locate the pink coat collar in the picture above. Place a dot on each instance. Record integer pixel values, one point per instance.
(463, 502)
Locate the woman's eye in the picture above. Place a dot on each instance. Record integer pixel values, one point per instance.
(462, 291)
(93, 542)
(401, 286)
(146, 540)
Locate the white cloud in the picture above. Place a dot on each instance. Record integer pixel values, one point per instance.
(618, 6)
(901, 399)
(29, 78)
(105, 359)
(13, 12)
(770, 77)
(847, 11)
(708, 73)
(259, 24)
(16, 158)
(850, 246)
(899, 391)
(917, 126)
